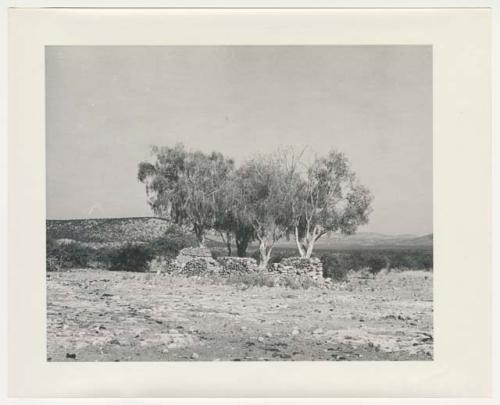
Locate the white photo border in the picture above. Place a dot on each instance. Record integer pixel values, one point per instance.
(12, 197)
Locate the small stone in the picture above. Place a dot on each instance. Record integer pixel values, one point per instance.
(317, 331)
(260, 339)
(70, 355)
(295, 332)
(269, 334)
(195, 356)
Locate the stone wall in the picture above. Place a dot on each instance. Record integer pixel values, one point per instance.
(233, 265)
(201, 266)
(163, 264)
(190, 253)
(197, 261)
(299, 266)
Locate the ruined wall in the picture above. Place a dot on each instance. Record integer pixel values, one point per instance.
(299, 266)
(234, 265)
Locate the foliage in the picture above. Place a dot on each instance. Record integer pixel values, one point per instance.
(264, 195)
(131, 258)
(334, 268)
(330, 199)
(376, 263)
(337, 264)
(172, 242)
(183, 186)
(66, 255)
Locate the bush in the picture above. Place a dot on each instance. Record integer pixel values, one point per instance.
(131, 258)
(172, 242)
(334, 267)
(376, 263)
(69, 255)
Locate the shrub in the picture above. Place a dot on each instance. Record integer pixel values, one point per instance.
(131, 258)
(334, 267)
(172, 242)
(52, 264)
(69, 255)
(376, 263)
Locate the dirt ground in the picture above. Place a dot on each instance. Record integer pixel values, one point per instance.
(95, 315)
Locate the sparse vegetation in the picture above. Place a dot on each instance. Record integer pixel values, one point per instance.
(131, 258)
(66, 255)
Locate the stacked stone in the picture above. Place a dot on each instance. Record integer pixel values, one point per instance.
(197, 261)
(190, 253)
(200, 266)
(298, 267)
(235, 265)
(163, 264)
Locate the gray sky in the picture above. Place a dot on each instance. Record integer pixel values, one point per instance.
(107, 105)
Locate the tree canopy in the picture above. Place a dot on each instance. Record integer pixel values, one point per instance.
(267, 198)
(329, 199)
(183, 186)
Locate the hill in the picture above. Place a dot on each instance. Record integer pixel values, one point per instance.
(106, 230)
(146, 229)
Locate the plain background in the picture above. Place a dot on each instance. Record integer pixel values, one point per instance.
(486, 187)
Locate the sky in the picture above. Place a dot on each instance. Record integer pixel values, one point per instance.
(107, 105)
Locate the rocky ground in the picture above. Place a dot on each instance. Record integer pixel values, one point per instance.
(98, 315)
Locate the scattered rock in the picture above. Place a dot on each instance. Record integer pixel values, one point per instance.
(195, 356)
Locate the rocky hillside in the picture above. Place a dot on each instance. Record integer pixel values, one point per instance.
(109, 230)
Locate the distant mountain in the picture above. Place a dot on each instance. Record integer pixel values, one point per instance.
(372, 240)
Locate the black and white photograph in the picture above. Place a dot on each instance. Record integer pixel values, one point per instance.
(239, 203)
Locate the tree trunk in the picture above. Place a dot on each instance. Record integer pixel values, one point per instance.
(298, 242)
(310, 248)
(241, 246)
(228, 243)
(265, 254)
(311, 239)
(200, 235)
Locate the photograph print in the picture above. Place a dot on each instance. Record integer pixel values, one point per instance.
(239, 203)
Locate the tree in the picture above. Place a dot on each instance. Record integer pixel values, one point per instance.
(183, 186)
(232, 220)
(331, 199)
(264, 196)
